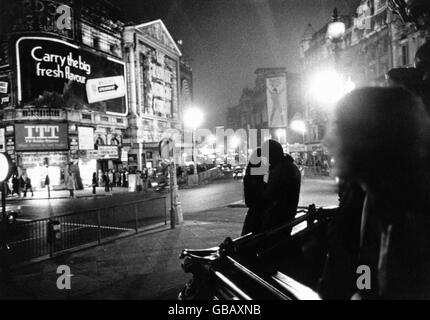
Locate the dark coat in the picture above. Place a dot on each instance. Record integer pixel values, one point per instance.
(282, 194)
(254, 187)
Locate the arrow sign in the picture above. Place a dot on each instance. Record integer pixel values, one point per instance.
(103, 89)
(108, 88)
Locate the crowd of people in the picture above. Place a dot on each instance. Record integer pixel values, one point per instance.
(19, 185)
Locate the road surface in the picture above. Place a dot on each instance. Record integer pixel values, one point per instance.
(217, 194)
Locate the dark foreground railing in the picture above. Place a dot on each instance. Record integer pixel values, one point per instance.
(49, 237)
(263, 266)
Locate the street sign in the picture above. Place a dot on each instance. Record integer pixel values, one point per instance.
(103, 89)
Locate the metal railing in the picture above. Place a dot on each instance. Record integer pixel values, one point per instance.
(45, 238)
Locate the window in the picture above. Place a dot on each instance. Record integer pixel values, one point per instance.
(86, 116)
(405, 55)
(104, 119)
(119, 120)
(96, 42)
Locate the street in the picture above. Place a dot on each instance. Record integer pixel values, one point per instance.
(218, 194)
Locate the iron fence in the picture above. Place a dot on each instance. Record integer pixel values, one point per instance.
(48, 237)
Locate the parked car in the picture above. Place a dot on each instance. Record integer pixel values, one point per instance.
(239, 172)
(262, 266)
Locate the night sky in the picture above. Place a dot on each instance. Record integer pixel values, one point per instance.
(226, 40)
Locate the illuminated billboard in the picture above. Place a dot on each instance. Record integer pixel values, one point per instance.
(41, 137)
(58, 74)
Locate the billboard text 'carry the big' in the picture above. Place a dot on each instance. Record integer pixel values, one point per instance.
(58, 74)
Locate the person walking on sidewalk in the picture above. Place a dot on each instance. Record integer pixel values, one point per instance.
(111, 180)
(70, 184)
(27, 185)
(94, 182)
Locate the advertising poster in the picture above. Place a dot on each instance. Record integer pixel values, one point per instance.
(41, 137)
(277, 102)
(55, 73)
(86, 138)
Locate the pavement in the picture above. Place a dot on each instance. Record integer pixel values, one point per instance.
(145, 266)
(141, 267)
(42, 194)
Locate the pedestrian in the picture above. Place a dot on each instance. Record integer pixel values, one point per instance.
(281, 196)
(380, 140)
(106, 181)
(138, 181)
(118, 178)
(70, 183)
(111, 180)
(254, 187)
(27, 186)
(15, 185)
(94, 182)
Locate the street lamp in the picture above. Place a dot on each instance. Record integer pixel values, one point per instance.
(335, 32)
(193, 119)
(299, 126)
(328, 86)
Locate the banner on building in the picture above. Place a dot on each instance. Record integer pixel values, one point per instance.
(277, 102)
(41, 137)
(86, 138)
(2, 140)
(55, 73)
(108, 152)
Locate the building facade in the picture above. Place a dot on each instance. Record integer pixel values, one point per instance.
(376, 40)
(155, 89)
(62, 89)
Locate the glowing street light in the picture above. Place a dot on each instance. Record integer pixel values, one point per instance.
(328, 87)
(299, 126)
(193, 119)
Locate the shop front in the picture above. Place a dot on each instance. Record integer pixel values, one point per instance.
(39, 165)
(42, 149)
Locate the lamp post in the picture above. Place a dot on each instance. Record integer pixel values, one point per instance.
(193, 119)
(335, 33)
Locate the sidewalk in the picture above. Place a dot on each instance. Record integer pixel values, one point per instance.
(143, 267)
(64, 194)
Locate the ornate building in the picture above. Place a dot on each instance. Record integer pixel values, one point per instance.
(154, 87)
(62, 88)
(375, 41)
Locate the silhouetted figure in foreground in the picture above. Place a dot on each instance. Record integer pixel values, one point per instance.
(281, 197)
(381, 143)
